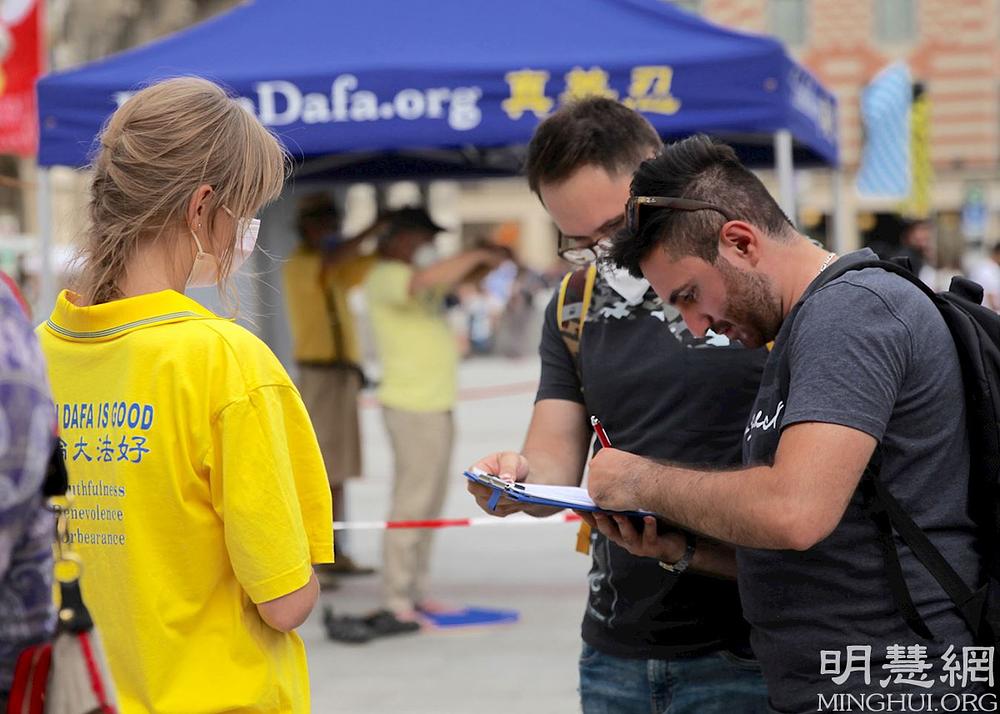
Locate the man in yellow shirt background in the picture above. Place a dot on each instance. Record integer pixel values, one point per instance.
(405, 291)
(318, 278)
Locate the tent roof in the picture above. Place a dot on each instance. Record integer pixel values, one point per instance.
(383, 76)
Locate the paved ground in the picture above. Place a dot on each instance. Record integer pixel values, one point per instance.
(525, 667)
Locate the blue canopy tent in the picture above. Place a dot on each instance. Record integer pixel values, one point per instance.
(384, 88)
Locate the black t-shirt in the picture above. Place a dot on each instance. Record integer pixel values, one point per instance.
(870, 352)
(660, 392)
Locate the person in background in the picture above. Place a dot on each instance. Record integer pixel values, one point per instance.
(519, 323)
(987, 273)
(318, 277)
(202, 498)
(27, 416)
(406, 293)
(917, 243)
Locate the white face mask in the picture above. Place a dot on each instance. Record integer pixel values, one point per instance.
(631, 288)
(205, 270)
(425, 255)
(248, 241)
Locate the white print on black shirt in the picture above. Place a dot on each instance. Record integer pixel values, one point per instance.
(759, 421)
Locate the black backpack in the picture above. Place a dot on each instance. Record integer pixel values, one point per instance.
(976, 331)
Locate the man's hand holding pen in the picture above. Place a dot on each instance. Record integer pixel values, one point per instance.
(612, 485)
(612, 479)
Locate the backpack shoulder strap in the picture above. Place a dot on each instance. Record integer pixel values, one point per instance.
(889, 515)
(832, 273)
(575, 294)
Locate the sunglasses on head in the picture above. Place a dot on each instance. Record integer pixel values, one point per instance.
(680, 204)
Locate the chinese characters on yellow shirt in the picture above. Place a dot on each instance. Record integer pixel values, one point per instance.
(648, 91)
(105, 432)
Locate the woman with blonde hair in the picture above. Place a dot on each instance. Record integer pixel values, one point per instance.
(200, 498)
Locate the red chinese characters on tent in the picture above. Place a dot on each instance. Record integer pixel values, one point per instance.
(21, 61)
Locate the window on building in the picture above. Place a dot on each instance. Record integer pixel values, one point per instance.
(689, 5)
(788, 20)
(895, 21)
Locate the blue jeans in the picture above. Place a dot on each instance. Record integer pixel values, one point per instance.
(716, 683)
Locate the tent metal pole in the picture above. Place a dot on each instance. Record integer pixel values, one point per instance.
(835, 230)
(47, 278)
(785, 169)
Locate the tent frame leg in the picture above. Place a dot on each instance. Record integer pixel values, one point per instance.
(836, 238)
(47, 280)
(786, 172)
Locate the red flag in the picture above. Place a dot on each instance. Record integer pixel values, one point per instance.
(21, 61)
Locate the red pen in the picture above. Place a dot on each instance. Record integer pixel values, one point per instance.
(602, 436)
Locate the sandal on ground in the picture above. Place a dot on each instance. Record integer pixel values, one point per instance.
(346, 629)
(385, 622)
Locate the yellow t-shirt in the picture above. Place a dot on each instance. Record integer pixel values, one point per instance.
(198, 490)
(417, 349)
(320, 319)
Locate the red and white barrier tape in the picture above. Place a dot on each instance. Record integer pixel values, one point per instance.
(513, 520)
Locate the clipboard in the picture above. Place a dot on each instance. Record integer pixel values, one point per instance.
(572, 497)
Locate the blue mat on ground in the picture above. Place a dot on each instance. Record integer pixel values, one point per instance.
(470, 617)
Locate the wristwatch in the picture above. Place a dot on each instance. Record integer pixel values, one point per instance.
(685, 562)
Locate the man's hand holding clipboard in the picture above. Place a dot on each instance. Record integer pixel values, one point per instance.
(508, 467)
(644, 536)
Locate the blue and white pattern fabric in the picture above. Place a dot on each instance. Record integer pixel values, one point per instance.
(885, 111)
(27, 418)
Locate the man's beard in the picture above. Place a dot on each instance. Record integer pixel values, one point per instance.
(751, 305)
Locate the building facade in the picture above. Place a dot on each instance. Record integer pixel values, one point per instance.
(951, 48)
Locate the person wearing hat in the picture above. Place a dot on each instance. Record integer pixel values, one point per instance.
(318, 277)
(406, 293)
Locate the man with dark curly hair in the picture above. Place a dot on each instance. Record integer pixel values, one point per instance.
(861, 359)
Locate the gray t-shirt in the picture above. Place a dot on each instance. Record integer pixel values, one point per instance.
(867, 351)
